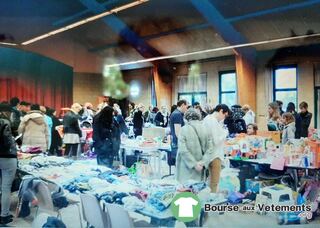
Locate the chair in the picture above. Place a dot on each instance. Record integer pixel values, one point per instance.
(171, 161)
(40, 220)
(45, 202)
(119, 217)
(92, 212)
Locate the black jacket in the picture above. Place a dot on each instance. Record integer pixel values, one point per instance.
(159, 120)
(305, 123)
(56, 140)
(7, 143)
(235, 126)
(15, 120)
(122, 124)
(298, 121)
(106, 138)
(137, 120)
(71, 124)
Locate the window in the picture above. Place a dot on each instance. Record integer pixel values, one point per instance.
(228, 88)
(193, 89)
(191, 98)
(285, 85)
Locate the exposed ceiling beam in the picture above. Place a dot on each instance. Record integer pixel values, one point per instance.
(280, 9)
(224, 28)
(231, 47)
(120, 28)
(84, 21)
(275, 10)
(153, 36)
(80, 15)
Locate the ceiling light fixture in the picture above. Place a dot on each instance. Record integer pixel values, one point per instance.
(10, 44)
(214, 50)
(84, 21)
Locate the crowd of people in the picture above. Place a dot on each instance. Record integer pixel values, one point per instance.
(292, 124)
(199, 144)
(197, 133)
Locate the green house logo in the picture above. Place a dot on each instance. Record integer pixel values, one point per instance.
(186, 207)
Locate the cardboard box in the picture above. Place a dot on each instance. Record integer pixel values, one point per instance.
(315, 148)
(274, 135)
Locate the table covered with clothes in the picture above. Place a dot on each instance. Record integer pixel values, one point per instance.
(151, 198)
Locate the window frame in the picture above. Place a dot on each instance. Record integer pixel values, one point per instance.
(220, 85)
(275, 90)
(193, 95)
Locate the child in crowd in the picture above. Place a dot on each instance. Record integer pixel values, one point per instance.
(289, 128)
(252, 129)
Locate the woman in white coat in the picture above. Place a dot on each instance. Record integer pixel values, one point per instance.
(217, 133)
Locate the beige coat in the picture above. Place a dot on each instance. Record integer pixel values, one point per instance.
(190, 153)
(34, 130)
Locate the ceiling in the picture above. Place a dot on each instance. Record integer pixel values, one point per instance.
(161, 27)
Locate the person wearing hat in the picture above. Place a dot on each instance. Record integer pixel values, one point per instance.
(8, 162)
(195, 149)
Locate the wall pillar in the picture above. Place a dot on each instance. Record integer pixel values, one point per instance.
(163, 90)
(246, 81)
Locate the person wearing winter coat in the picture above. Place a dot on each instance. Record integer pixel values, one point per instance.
(289, 129)
(305, 119)
(195, 149)
(106, 136)
(120, 120)
(235, 122)
(138, 121)
(72, 131)
(48, 122)
(162, 118)
(8, 162)
(292, 109)
(34, 129)
(152, 114)
(217, 133)
(15, 117)
(56, 140)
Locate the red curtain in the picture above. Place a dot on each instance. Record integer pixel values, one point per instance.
(52, 92)
(35, 79)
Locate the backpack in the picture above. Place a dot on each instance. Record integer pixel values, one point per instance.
(240, 126)
(5, 135)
